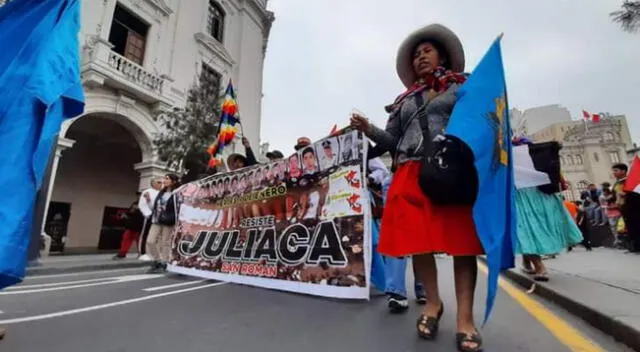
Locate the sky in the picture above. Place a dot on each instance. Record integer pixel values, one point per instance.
(326, 58)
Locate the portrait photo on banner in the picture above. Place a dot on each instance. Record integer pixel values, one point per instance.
(328, 153)
(294, 168)
(348, 147)
(309, 159)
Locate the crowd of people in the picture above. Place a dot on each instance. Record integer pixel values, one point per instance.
(407, 224)
(609, 207)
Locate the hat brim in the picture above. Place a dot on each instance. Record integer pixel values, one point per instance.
(433, 32)
(274, 155)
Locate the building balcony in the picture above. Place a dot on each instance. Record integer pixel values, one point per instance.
(103, 67)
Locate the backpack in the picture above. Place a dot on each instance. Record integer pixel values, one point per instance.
(447, 175)
(546, 158)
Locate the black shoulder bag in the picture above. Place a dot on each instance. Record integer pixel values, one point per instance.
(167, 217)
(447, 175)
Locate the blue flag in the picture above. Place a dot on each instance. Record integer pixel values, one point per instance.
(39, 87)
(480, 118)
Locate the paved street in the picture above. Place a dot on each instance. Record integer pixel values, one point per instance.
(128, 310)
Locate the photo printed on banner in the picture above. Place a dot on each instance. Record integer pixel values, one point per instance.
(309, 160)
(348, 147)
(328, 153)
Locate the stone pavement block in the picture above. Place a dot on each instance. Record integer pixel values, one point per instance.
(602, 287)
(608, 266)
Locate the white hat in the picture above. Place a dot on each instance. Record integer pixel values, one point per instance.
(435, 33)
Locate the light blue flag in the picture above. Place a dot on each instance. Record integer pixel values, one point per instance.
(480, 118)
(39, 87)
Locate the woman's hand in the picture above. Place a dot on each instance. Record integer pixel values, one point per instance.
(361, 123)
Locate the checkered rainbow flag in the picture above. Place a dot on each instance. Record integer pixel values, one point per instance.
(229, 126)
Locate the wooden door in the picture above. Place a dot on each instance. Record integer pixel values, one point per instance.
(134, 50)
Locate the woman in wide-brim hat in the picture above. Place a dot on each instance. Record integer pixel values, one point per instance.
(430, 63)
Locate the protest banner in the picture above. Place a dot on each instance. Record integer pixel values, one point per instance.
(300, 224)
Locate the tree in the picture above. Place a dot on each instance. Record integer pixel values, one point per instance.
(628, 16)
(188, 132)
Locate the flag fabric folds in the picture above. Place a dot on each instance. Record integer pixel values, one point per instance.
(480, 118)
(591, 117)
(229, 125)
(633, 180)
(39, 88)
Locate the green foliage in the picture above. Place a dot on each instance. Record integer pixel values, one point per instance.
(628, 16)
(188, 132)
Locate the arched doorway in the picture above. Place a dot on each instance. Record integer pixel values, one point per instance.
(95, 181)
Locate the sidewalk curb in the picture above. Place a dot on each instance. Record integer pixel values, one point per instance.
(611, 326)
(43, 270)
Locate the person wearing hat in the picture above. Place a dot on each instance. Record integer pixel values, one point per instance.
(301, 143)
(328, 158)
(275, 155)
(429, 63)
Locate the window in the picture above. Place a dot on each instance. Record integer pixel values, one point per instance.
(128, 35)
(215, 21)
(596, 157)
(210, 79)
(615, 157)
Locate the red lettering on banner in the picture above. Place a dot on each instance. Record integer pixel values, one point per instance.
(259, 270)
(231, 268)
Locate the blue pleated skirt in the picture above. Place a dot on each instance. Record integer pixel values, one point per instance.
(544, 224)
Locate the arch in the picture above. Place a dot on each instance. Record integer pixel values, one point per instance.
(137, 121)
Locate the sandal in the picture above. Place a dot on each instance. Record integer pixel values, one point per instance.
(429, 323)
(462, 338)
(542, 277)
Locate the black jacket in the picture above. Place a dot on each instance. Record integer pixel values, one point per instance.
(133, 219)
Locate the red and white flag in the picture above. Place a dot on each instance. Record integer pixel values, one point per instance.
(633, 179)
(591, 117)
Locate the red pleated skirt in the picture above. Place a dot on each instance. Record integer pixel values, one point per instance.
(411, 224)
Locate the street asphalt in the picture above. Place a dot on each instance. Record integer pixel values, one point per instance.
(128, 310)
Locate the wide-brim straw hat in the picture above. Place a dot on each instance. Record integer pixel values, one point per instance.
(438, 33)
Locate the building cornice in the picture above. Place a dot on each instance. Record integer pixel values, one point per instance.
(161, 6)
(264, 17)
(215, 47)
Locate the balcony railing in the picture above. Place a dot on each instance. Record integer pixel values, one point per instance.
(134, 72)
(102, 66)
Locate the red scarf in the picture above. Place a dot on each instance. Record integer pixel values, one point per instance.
(439, 80)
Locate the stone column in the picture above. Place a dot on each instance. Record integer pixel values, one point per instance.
(149, 169)
(62, 145)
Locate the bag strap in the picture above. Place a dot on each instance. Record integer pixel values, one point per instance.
(421, 107)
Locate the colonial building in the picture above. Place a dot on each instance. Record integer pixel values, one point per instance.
(532, 120)
(140, 57)
(589, 149)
